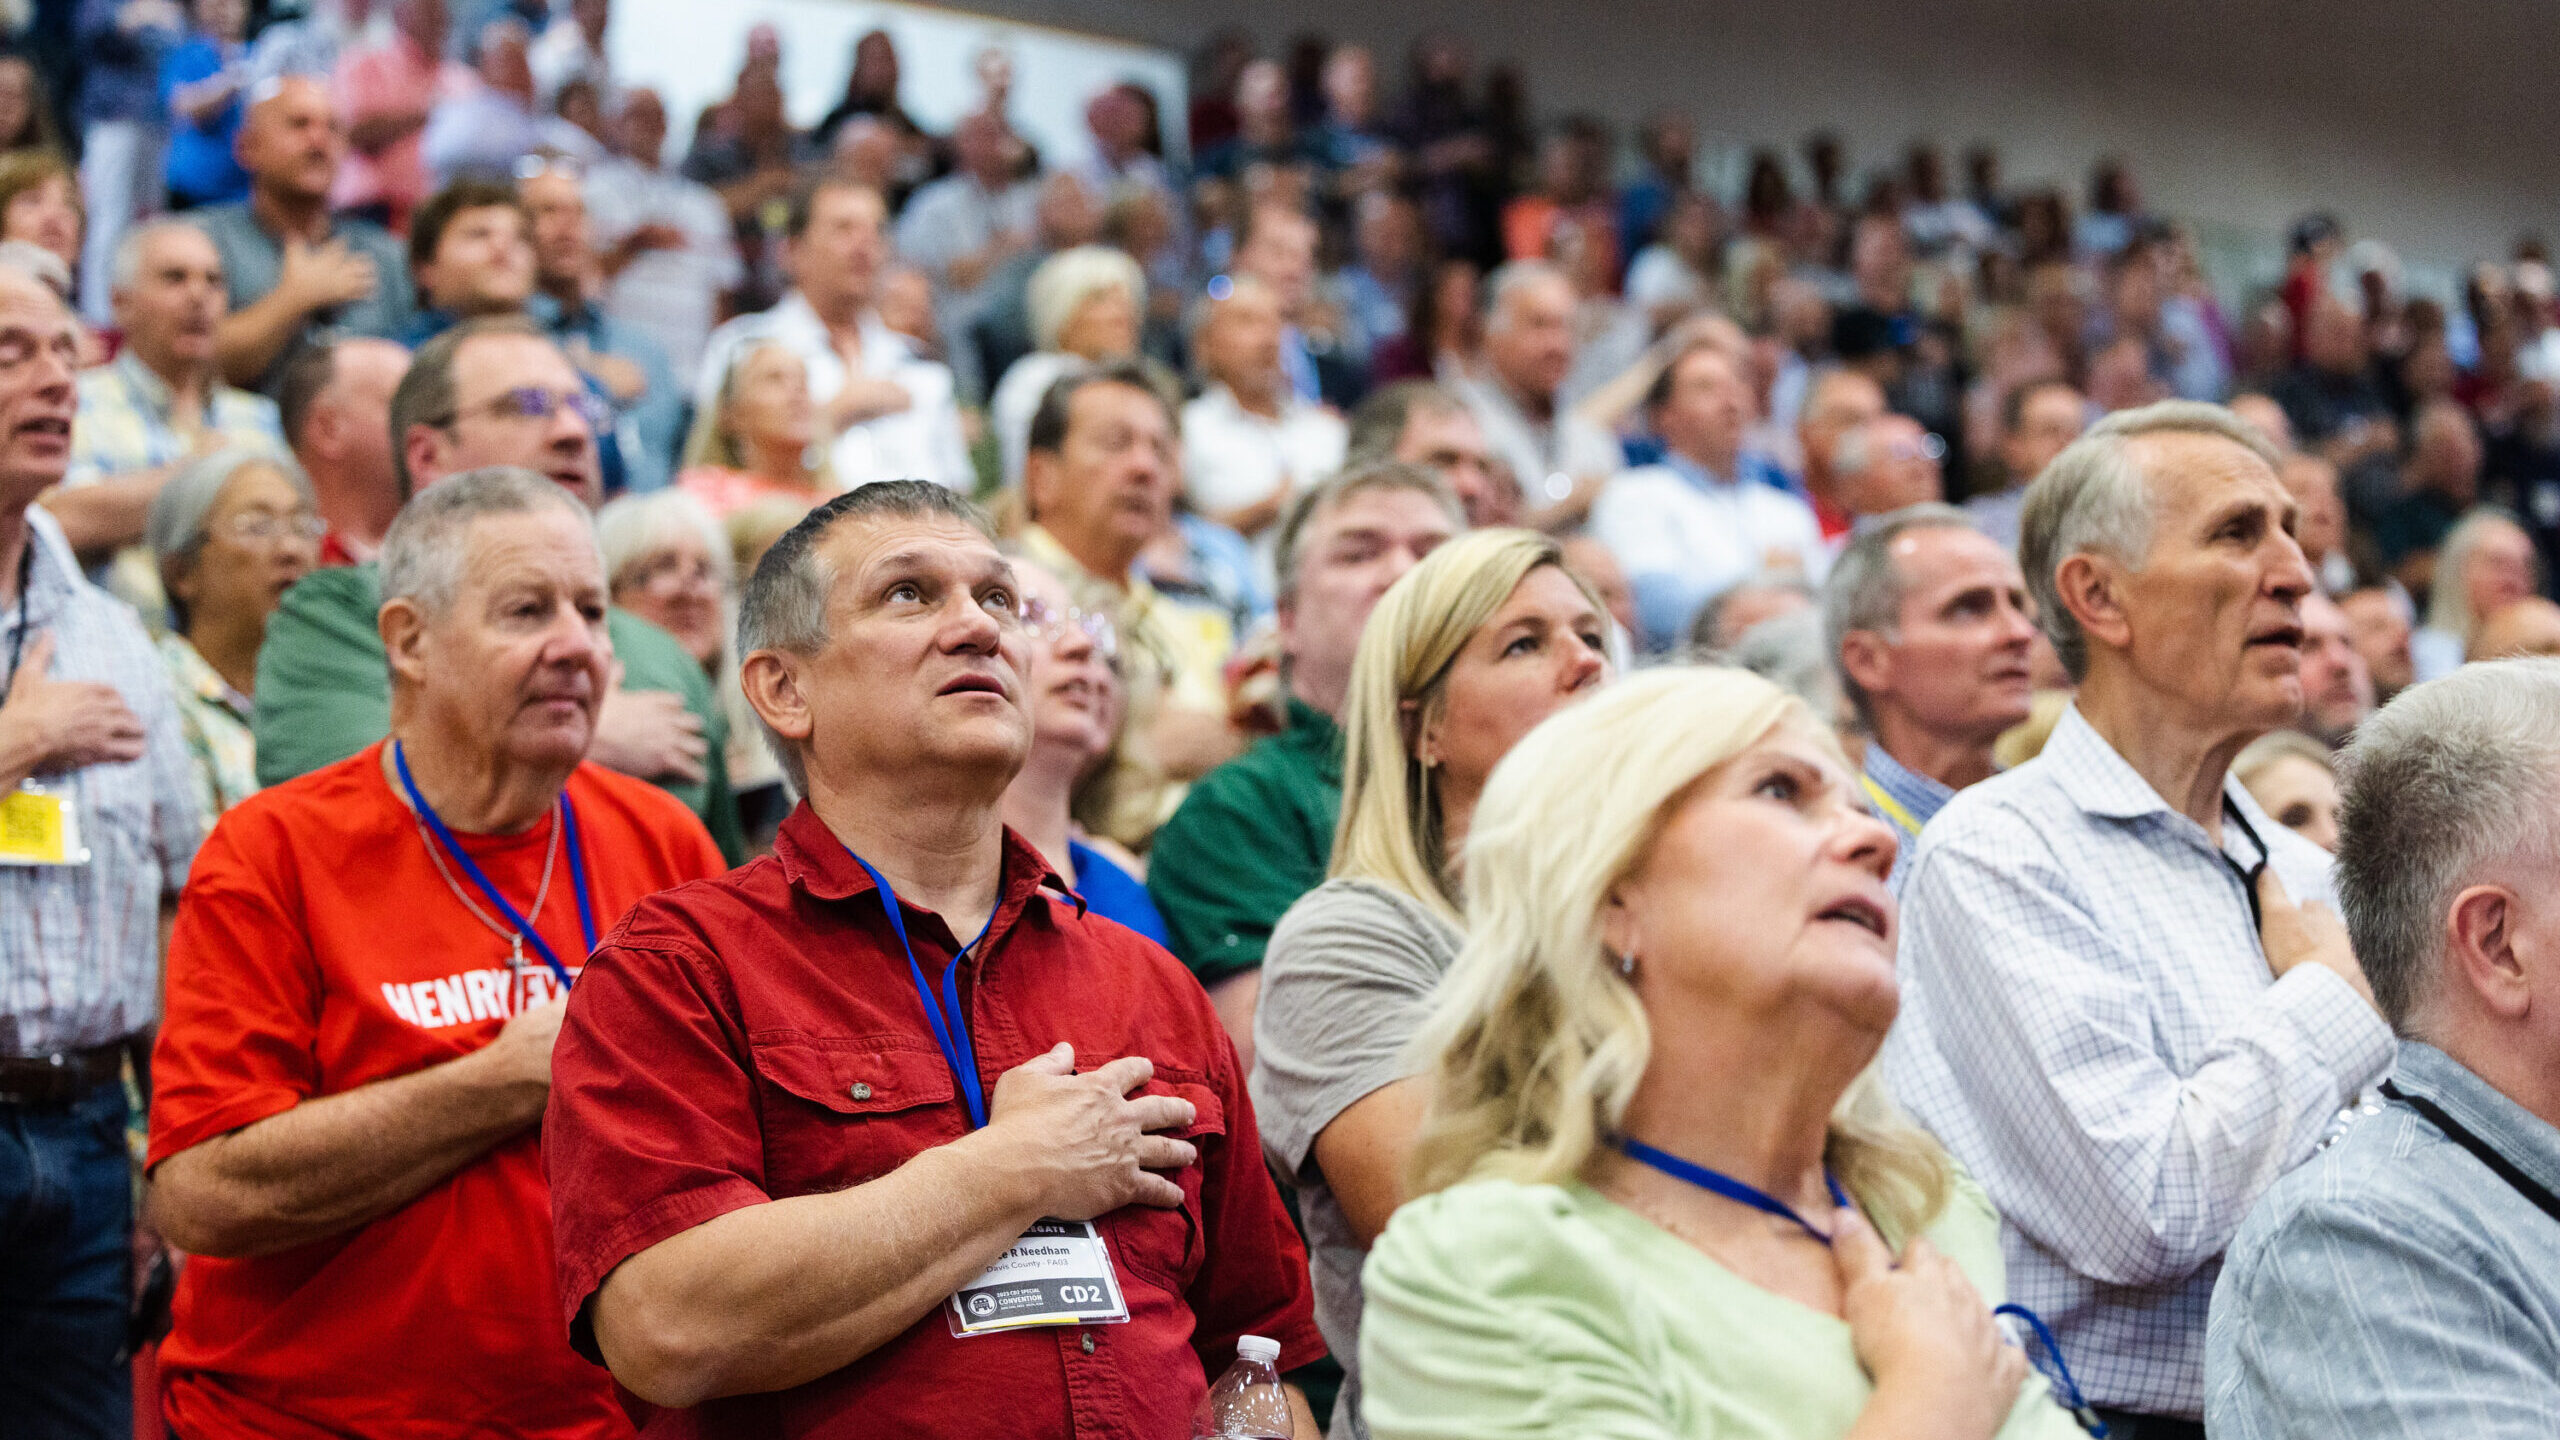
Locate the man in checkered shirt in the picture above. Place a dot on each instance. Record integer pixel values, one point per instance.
(2127, 1005)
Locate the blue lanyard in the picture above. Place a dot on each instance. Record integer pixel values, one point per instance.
(2060, 1374)
(1717, 1182)
(949, 1019)
(471, 869)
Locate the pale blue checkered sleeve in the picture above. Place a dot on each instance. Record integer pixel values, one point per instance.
(2049, 1081)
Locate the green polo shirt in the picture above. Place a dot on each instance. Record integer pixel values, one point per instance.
(324, 687)
(1254, 835)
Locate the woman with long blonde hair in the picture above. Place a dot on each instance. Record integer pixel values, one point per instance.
(1659, 1191)
(1474, 646)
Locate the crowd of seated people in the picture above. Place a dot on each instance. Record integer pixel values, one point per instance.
(1594, 806)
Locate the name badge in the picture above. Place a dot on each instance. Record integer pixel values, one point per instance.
(39, 826)
(1056, 1274)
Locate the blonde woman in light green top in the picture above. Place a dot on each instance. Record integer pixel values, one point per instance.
(1679, 936)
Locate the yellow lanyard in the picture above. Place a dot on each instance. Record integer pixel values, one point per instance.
(1894, 810)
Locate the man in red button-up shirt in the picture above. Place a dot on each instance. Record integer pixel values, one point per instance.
(772, 1164)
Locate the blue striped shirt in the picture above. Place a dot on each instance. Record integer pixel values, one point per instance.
(2395, 1288)
(80, 944)
(1916, 798)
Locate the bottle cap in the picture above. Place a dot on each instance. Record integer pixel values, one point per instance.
(1256, 1347)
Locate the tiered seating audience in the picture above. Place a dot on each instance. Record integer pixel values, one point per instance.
(1939, 453)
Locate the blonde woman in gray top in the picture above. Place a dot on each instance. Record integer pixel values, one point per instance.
(1467, 653)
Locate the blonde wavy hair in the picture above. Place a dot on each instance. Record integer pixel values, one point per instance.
(712, 442)
(1390, 826)
(1536, 1043)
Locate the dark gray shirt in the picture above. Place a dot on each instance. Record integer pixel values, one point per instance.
(1346, 981)
(253, 262)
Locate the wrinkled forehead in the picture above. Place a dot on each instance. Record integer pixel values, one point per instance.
(861, 551)
(28, 304)
(2190, 477)
(546, 546)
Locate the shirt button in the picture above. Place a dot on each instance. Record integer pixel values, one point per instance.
(861, 1091)
(1088, 1342)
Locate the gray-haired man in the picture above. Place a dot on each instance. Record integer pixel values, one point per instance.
(489, 392)
(2114, 1011)
(2406, 1282)
(357, 1050)
(1929, 628)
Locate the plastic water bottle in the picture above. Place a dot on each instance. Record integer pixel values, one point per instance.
(1247, 1403)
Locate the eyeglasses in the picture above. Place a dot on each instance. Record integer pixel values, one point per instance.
(534, 167)
(532, 402)
(264, 527)
(1044, 622)
(671, 571)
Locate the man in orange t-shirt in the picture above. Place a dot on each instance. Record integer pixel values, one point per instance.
(364, 983)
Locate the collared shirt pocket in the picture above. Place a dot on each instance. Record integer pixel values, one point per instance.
(842, 1110)
(1168, 1244)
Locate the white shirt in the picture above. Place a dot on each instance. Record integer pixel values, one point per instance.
(561, 54)
(1232, 457)
(921, 442)
(2089, 1024)
(671, 296)
(1568, 445)
(1683, 535)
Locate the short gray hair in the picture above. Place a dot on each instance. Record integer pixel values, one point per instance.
(2451, 777)
(2094, 499)
(127, 270)
(784, 606)
(426, 550)
(1509, 280)
(1865, 588)
(635, 528)
(1787, 651)
(174, 528)
(1066, 280)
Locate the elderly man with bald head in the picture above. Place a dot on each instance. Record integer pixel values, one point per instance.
(295, 272)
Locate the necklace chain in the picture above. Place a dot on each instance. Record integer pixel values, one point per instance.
(515, 939)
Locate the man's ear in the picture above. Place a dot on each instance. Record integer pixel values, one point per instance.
(2489, 951)
(2092, 589)
(403, 627)
(423, 449)
(771, 680)
(1039, 469)
(1867, 660)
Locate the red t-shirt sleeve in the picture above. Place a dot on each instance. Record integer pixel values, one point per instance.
(652, 1126)
(240, 1037)
(1253, 1269)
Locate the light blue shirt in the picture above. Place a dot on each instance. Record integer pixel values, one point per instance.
(2395, 1287)
(1918, 799)
(2090, 1026)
